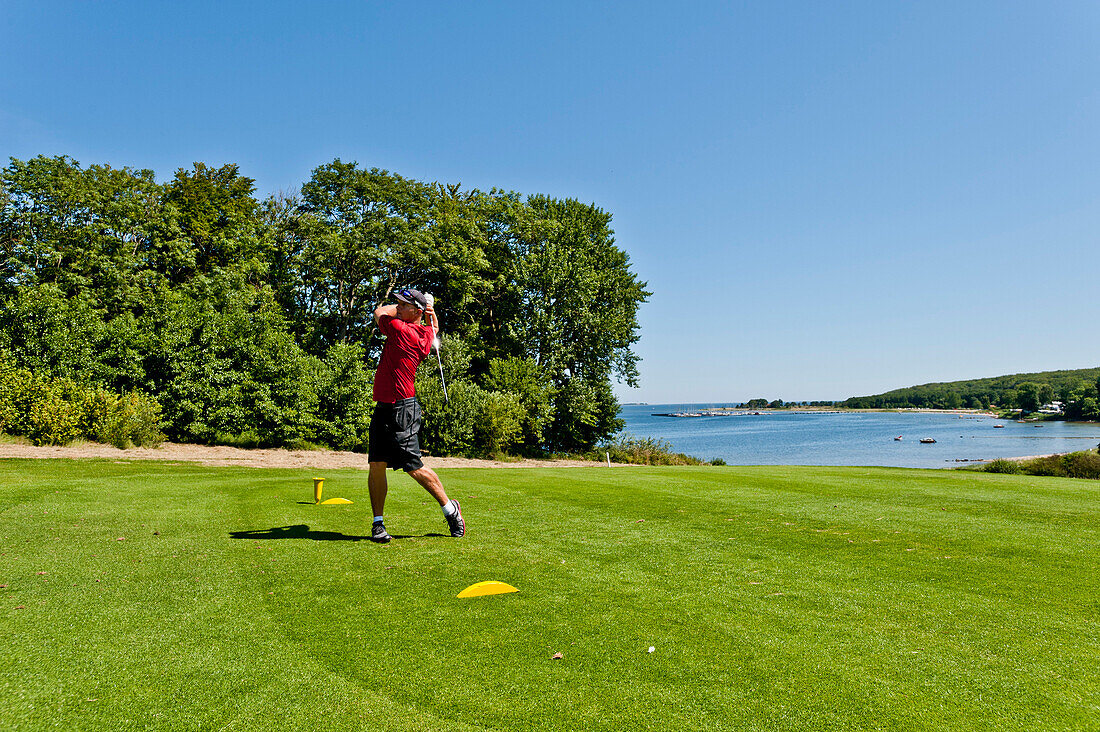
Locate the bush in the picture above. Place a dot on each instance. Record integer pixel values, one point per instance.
(450, 427)
(51, 420)
(500, 423)
(642, 451)
(535, 392)
(1071, 465)
(133, 419)
(1010, 467)
(245, 440)
(1045, 466)
(57, 411)
(1082, 465)
(344, 399)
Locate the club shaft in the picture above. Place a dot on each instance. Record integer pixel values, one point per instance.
(441, 379)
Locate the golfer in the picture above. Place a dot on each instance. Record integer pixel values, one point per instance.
(395, 424)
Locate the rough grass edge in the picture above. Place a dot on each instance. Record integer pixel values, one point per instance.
(1084, 464)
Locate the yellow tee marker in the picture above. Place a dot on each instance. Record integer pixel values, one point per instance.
(491, 587)
(318, 487)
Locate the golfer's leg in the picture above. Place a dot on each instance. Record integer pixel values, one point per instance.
(431, 482)
(376, 482)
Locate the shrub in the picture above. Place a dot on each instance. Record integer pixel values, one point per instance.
(133, 419)
(344, 398)
(450, 427)
(500, 423)
(1010, 467)
(51, 420)
(57, 411)
(1082, 465)
(535, 392)
(1045, 466)
(1072, 465)
(643, 451)
(245, 440)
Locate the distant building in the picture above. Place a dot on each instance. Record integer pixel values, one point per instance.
(1052, 408)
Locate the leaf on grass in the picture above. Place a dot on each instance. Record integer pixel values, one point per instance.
(640, 521)
(557, 656)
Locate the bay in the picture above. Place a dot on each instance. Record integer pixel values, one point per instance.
(853, 438)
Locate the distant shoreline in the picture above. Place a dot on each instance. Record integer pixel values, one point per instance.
(744, 411)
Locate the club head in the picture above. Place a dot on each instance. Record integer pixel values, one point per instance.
(437, 344)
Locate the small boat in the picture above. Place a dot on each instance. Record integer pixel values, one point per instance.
(927, 440)
(998, 426)
(897, 439)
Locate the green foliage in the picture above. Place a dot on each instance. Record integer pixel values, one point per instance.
(500, 423)
(1020, 391)
(55, 411)
(451, 427)
(643, 451)
(1027, 396)
(534, 392)
(1010, 467)
(344, 401)
(585, 412)
(1072, 465)
(252, 322)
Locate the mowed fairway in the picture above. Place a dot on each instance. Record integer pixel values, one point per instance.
(181, 597)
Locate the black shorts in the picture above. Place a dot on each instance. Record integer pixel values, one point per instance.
(395, 435)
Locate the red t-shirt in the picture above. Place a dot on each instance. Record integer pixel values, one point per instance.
(406, 346)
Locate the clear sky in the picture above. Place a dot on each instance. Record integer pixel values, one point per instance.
(827, 199)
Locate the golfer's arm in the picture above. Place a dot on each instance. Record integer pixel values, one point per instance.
(433, 322)
(390, 310)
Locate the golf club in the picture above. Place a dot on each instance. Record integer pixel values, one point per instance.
(437, 344)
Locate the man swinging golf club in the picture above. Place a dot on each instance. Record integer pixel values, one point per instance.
(395, 424)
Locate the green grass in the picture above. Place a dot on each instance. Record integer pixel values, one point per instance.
(174, 597)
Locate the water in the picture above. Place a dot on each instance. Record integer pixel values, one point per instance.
(865, 438)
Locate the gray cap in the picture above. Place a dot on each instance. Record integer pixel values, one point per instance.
(412, 297)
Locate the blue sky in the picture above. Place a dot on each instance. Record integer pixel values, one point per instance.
(826, 199)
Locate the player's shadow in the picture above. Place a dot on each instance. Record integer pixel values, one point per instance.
(302, 531)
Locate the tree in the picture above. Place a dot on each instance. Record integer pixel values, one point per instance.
(357, 235)
(523, 378)
(218, 224)
(576, 313)
(1027, 396)
(86, 232)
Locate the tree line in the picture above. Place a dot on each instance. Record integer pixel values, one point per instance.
(1078, 390)
(249, 319)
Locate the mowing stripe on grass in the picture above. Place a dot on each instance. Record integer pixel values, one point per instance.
(191, 597)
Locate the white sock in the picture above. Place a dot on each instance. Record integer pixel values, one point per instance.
(449, 508)
(377, 519)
